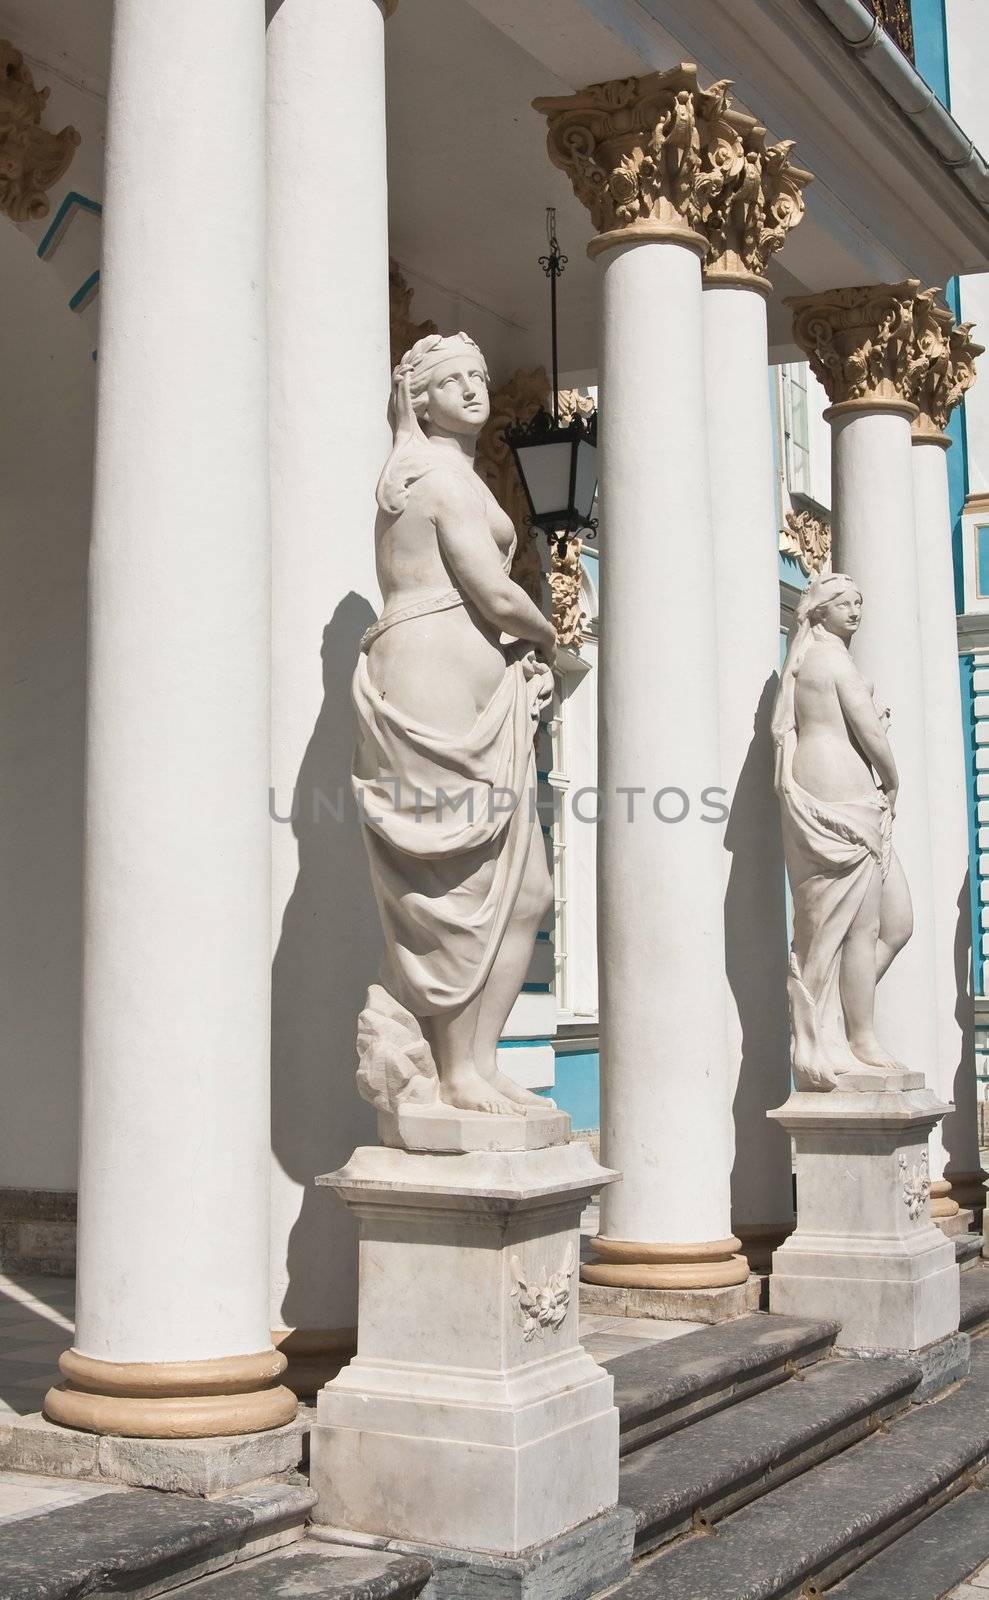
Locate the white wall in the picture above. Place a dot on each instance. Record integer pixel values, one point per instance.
(45, 467)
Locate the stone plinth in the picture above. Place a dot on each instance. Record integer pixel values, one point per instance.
(865, 1250)
(471, 1418)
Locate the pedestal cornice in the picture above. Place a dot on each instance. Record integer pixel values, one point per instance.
(658, 157)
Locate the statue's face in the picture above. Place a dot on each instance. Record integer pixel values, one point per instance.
(456, 398)
(842, 615)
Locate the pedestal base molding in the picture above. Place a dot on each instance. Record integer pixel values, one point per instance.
(635, 1264)
(172, 1399)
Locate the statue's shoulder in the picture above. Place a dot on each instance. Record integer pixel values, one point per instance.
(444, 488)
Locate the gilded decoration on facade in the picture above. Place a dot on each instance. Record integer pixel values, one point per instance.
(404, 331)
(565, 577)
(895, 16)
(861, 343)
(807, 537)
(660, 154)
(543, 1306)
(31, 158)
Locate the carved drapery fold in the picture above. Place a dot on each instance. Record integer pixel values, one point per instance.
(807, 537)
(31, 158)
(861, 342)
(660, 156)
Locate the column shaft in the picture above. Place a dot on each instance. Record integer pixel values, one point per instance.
(746, 588)
(664, 1093)
(873, 541)
(173, 1208)
(329, 385)
(957, 1139)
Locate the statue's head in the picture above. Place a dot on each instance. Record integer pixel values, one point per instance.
(447, 382)
(439, 386)
(834, 603)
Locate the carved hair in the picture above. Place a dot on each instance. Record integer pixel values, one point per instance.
(410, 457)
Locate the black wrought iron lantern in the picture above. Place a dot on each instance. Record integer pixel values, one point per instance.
(556, 459)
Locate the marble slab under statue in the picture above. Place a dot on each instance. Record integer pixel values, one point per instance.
(471, 1422)
(865, 1249)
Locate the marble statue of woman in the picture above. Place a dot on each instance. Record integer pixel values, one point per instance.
(837, 783)
(448, 689)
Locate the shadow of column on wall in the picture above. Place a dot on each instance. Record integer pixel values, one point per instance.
(965, 1094)
(756, 969)
(326, 956)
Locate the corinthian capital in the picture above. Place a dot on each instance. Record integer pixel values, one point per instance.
(31, 158)
(861, 342)
(749, 216)
(946, 354)
(640, 153)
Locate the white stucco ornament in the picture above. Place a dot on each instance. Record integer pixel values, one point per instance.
(448, 690)
(837, 785)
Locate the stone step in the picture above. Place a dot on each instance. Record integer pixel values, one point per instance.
(932, 1558)
(663, 1386)
(317, 1571)
(968, 1249)
(815, 1529)
(143, 1541)
(720, 1463)
(974, 1287)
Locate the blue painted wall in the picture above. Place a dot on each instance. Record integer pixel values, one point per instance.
(577, 1090)
(930, 41)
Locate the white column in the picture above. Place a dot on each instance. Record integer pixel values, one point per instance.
(329, 385)
(747, 602)
(172, 1333)
(873, 509)
(665, 1108)
(956, 1142)
(665, 1112)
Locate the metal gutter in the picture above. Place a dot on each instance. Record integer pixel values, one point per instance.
(902, 82)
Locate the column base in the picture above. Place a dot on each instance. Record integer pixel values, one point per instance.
(315, 1356)
(470, 1418)
(943, 1202)
(760, 1239)
(635, 1264)
(672, 1305)
(969, 1188)
(865, 1250)
(172, 1399)
(954, 1226)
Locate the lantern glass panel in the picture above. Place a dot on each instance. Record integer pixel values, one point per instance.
(546, 469)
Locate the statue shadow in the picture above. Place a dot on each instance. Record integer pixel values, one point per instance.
(965, 1093)
(757, 968)
(327, 954)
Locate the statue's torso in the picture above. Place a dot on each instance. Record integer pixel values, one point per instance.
(827, 761)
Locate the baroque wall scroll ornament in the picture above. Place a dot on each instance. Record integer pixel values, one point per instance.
(916, 1185)
(660, 155)
(403, 330)
(543, 1306)
(861, 343)
(565, 578)
(31, 158)
(807, 537)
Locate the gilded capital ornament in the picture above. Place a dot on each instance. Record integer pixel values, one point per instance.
(948, 352)
(750, 216)
(638, 153)
(861, 343)
(31, 158)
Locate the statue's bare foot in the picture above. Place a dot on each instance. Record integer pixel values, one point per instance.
(872, 1054)
(468, 1091)
(522, 1097)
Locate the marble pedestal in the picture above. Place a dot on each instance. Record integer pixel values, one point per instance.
(865, 1250)
(471, 1418)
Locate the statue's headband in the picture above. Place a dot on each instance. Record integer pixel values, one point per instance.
(417, 363)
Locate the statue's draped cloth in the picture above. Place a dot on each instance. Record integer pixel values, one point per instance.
(447, 820)
(834, 849)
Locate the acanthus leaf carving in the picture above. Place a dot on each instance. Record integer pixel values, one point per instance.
(946, 360)
(31, 158)
(565, 578)
(860, 342)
